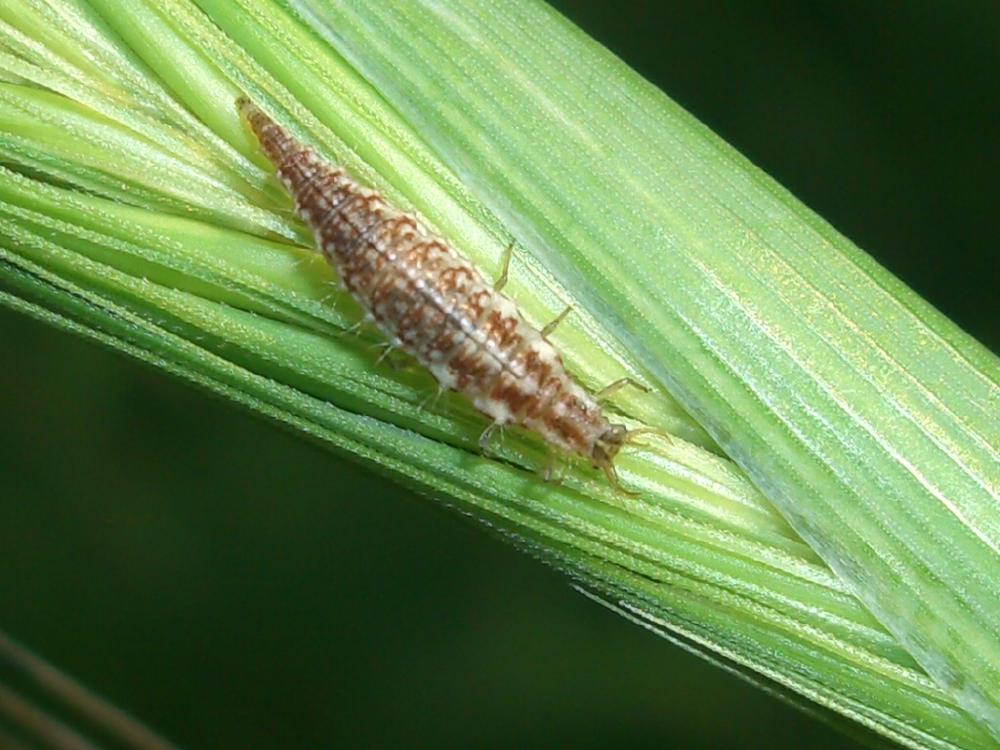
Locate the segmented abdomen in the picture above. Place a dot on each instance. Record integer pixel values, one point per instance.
(432, 303)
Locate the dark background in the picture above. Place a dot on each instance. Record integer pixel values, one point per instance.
(236, 587)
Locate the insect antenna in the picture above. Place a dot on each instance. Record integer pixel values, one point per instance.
(630, 435)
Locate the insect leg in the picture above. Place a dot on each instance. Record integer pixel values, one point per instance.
(351, 329)
(388, 351)
(550, 465)
(550, 470)
(484, 438)
(504, 268)
(431, 401)
(609, 390)
(386, 348)
(552, 326)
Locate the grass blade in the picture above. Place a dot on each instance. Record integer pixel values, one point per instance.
(867, 417)
(692, 272)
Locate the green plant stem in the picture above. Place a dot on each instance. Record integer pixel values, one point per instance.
(685, 267)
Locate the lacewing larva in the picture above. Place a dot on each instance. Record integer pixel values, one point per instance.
(434, 305)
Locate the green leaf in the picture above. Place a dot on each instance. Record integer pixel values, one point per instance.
(861, 413)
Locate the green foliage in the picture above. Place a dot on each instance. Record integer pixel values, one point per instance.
(137, 212)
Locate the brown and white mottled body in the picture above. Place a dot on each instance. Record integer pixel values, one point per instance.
(434, 305)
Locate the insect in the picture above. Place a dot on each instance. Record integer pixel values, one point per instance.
(434, 305)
